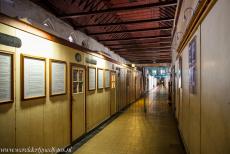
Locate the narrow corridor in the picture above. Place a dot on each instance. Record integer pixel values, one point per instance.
(147, 127)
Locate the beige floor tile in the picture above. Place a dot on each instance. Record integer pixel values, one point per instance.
(147, 127)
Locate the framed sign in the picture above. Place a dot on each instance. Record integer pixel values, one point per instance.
(192, 66)
(33, 73)
(6, 77)
(58, 73)
(107, 78)
(91, 78)
(100, 78)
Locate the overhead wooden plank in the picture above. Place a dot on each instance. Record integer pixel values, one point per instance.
(120, 9)
(142, 47)
(130, 31)
(145, 49)
(136, 38)
(138, 43)
(126, 22)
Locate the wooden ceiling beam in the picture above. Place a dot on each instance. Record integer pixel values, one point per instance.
(146, 57)
(136, 38)
(130, 31)
(145, 51)
(126, 22)
(138, 43)
(142, 47)
(144, 54)
(121, 9)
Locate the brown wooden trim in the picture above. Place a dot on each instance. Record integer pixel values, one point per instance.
(11, 54)
(78, 65)
(88, 77)
(71, 103)
(23, 56)
(50, 77)
(103, 80)
(197, 19)
(20, 25)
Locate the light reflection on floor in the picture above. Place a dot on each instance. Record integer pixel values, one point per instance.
(147, 127)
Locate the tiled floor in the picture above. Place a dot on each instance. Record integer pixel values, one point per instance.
(147, 127)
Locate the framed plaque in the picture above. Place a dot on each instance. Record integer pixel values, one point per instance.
(107, 79)
(100, 78)
(6, 77)
(33, 72)
(58, 74)
(91, 78)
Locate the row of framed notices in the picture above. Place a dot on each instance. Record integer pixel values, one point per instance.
(33, 77)
(103, 78)
(33, 74)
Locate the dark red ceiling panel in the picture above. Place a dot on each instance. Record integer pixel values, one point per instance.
(121, 23)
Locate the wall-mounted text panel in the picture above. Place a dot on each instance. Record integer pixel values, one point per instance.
(91, 78)
(58, 71)
(100, 79)
(6, 77)
(107, 79)
(33, 77)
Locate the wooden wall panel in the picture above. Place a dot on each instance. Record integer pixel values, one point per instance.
(177, 96)
(189, 108)
(45, 122)
(205, 123)
(185, 97)
(194, 105)
(97, 106)
(215, 85)
(113, 105)
(7, 111)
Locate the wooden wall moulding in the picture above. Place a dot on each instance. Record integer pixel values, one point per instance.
(33, 77)
(58, 77)
(100, 78)
(6, 77)
(91, 78)
(202, 11)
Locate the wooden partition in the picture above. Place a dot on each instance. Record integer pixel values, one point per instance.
(204, 114)
(48, 121)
